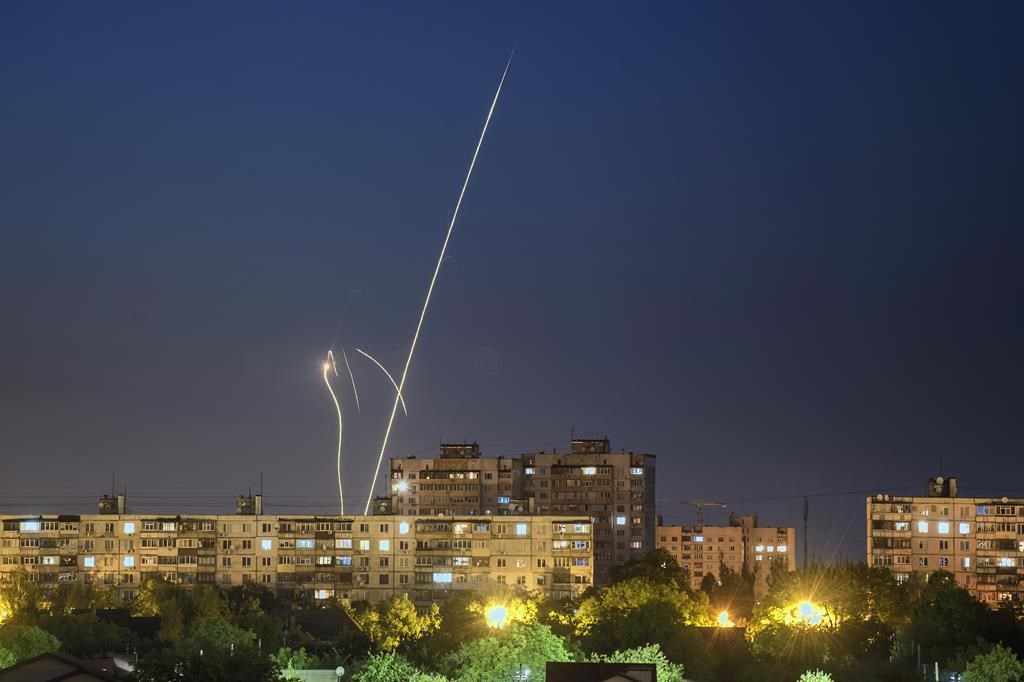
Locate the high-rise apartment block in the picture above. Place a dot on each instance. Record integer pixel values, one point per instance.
(614, 490)
(352, 557)
(980, 540)
(742, 546)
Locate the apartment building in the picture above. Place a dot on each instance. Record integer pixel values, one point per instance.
(352, 557)
(615, 491)
(980, 540)
(457, 482)
(741, 546)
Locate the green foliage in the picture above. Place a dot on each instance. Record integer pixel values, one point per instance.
(396, 621)
(178, 606)
(241, 665)
(815, 676)
(946, 621)
(214, 634)
(734, 592)
(667, 670)
(500, 656)
(85, 635)
(21, 642)
(387, 666)
(635, 613)
(658, 566)
(289, 660)
(998, 665)
(21, 597)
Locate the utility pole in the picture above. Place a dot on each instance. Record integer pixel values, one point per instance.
(807, 509)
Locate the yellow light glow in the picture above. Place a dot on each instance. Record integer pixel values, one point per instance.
(496, 616)
(724, 621)
(809, 613)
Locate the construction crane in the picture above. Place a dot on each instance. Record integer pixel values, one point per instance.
(698, 504)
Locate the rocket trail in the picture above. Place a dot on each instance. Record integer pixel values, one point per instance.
(337, 407)
(390, 378)
(344, 356)
(433, 280)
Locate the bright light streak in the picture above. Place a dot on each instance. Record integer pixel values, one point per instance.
(344, 356)
(724, 621)
(330, 359)
(496, 616)
(337, 407)
(433, 280)
(390, 378)
(402, 486)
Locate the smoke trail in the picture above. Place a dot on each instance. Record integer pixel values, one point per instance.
(390, 378)
(433, 280)
(337, 407)
(344, 356)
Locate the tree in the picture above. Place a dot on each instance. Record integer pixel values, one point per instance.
(85, 635)
(22, 596)
(998, 665)
(667, 670)
(21, 642)
(387, 666)
(289, 660)
(178, 606)
(241, 665)
(658, 566)
(946, 621)
(396, 621)
(506, 653)
(215, 634)
(815, 676)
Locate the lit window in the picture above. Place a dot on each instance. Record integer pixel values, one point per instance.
(266, 544)
(698, 538)
(589, 471)
(528, 471)
(521, 529)
(771, 548)
(504, 499)
(943, 527)
(322, 594)
(305, 543)
(343, 543)
(364, 545)
(323, 561)
(442, 577)
(30, 526)
(1006, 561)
(384, 545)
(129, 528)
(781, 548)
(129, 562)
(965, 528)
(49, 561)
(759, 557)
(89, 562)
(344, 560)
(403, 527)
(636, 471)
(967, 562)
(759, 548)
(620, 520)
(922, 526)
(169, 526)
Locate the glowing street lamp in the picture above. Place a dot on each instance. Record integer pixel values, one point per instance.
(724, 621)
(497, 616)
(401, 486)
(810, 613)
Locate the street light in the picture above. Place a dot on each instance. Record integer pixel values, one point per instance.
(724, 621)
(810, 613)
(496, 615)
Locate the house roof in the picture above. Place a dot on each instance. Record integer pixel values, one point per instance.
(54, 667)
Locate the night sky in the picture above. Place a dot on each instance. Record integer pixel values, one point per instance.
(778, 245)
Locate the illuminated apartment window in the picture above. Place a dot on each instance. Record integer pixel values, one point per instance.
(967, 562)
(266, 544)
(322, 594)
(781, 548)
(589, 471)
(759, 548)
(30, 526)
(170, 526)
(504, 499)
(620, 520)
(384, 545)
(364, 545)
(344, 560)
(343, 543)
(442, 577)
(636, 471)
(521, 529)
(943, 527)
(1006, 561)
(965, 528)
(129, 528)
(305, 543)
(528, 471)
(922, 526)
(403, 527)
(129, 562)
(49, 561)
(759, 557)
(89, 562)
(698, 538)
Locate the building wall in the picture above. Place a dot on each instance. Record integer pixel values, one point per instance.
(354, 557)
(744, 546)
(615, 490)
(979, 540)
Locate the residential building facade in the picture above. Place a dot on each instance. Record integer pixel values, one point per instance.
(351, 557)
(980, 540)
(614, 490)
(742, 546)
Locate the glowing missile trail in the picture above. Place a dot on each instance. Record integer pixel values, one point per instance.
(344, 356)
(433, 280)
(390, 378)
(337, 407)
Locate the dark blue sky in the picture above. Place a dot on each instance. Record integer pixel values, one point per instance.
(779, 245)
